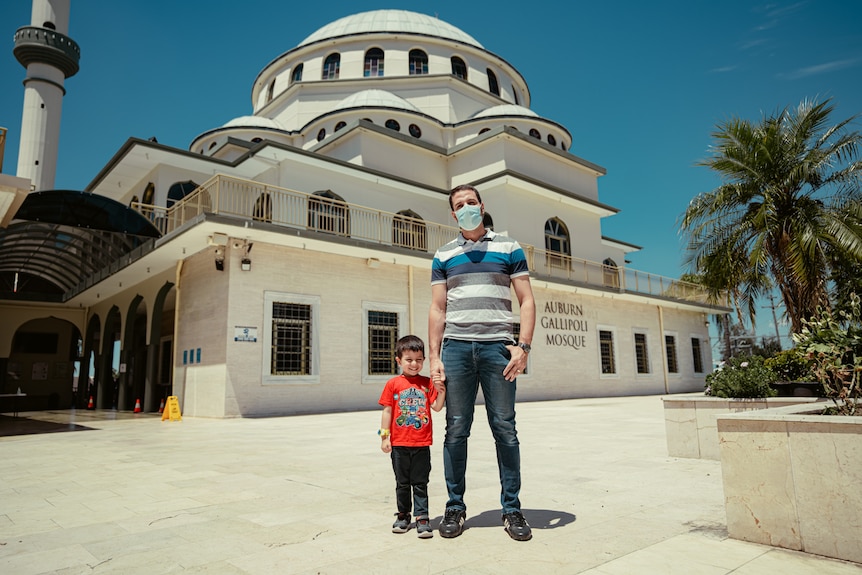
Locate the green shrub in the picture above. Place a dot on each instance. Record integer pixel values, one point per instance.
(833, 347)
(742, 377)
(790, 365)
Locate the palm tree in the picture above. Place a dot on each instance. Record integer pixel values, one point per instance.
(790, 202)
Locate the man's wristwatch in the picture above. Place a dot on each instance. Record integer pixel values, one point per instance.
(525, 346)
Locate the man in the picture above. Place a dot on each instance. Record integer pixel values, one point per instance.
(471, 344)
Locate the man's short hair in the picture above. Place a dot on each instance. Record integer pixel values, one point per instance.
(461, 188)
(409, 343)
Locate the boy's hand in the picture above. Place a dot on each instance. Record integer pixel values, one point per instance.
(386, 445)
(439, 382)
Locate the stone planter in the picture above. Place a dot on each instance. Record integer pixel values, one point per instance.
(791, 479)
(690, 420)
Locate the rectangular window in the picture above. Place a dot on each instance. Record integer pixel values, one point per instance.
(696, 354)
(670, 349)
(606, 348)
(641, 355)
(291, 339)
(382, 335)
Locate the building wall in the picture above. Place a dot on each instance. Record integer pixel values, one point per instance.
(232, 378)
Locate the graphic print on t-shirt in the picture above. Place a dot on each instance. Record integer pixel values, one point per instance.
(412, 403)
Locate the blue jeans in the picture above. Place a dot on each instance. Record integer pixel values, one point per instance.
(469, 364)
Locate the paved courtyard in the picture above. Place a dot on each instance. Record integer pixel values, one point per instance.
(101, 492)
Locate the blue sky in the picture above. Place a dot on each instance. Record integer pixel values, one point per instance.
(640, 85)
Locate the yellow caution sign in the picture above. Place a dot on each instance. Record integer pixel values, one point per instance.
(172, 409)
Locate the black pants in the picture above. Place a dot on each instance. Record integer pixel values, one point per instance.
(412, 467)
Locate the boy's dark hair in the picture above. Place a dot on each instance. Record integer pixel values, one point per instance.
(461, 188)
(409, 343)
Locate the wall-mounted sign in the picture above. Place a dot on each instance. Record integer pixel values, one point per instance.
(565, 324)
(244, 333)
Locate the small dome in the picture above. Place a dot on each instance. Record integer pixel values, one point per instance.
(505, 110)
(253, 122)
(392, 21)
(375, 98)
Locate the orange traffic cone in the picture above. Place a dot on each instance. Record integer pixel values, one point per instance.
(90, 404)
(137, 406)
(162, 406)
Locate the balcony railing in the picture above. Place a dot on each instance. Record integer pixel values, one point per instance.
(255, 201)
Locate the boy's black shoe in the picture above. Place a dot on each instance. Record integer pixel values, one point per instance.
(516, 526)
(453, 523)
(402, 523)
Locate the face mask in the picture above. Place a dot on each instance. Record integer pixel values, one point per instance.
(469, 217)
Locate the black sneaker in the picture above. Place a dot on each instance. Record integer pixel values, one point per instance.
(453, 523)
(423, 528)
(516, 526)
(402, 524)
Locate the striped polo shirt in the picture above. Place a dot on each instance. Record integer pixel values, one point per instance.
(478, 279)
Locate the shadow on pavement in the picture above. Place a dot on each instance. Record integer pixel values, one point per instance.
(11, 426)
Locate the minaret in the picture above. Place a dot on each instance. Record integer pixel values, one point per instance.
(50, 57)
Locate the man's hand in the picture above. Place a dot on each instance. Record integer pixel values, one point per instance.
(517, 362)
(438, 372)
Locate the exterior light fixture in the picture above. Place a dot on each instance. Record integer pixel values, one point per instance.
(219, 260)
(246, 264)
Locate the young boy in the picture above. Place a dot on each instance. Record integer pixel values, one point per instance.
(406, 433)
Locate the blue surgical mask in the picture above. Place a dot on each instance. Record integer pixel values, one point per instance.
(469, 217)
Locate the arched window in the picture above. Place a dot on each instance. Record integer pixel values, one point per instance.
(408, 231)
(331, 67)
(557, 247)
(297, 74)
(415, 130)
(321, 133)
(493, 86)
(459, 68)
(340, 125)
(515, 95)
(418, 62)
(610, 273)
(552, 140)
(393, 125)
(178, 191)
(327, 212)
(483, 130)
(269, 90)
(535, 133)
(374, 62)
(263, 208)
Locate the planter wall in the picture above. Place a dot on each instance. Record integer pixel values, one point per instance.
(690, 420)
(791, 479)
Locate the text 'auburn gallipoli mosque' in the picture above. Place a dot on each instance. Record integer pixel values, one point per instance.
(270, 267)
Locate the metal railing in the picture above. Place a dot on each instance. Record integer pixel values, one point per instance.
(255, 201)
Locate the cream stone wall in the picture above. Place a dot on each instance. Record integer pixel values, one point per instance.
(565, 361)
(202, 324)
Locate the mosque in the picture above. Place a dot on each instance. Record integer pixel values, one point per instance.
(269, 268)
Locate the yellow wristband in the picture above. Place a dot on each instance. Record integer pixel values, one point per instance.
(383, 433)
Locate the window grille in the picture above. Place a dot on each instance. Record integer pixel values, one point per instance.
(291, 339)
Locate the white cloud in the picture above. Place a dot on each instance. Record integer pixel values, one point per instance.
(824, 68)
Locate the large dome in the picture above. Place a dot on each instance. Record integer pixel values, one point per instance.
(505, 110)
(392, 21)
(375, 98)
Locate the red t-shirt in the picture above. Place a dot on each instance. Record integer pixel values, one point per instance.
(410, 399)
